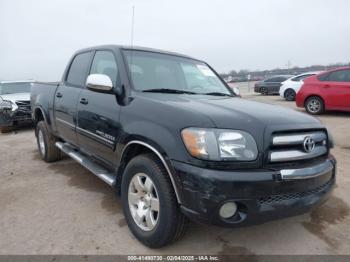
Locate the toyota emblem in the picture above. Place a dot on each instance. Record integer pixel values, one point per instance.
(309, 144)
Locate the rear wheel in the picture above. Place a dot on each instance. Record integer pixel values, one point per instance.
(149, 202)
(46, 143)
(289, 95)
(314, 105)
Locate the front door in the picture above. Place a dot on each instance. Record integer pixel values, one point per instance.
(98, 113)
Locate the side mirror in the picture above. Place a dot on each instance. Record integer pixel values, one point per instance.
(99, 83)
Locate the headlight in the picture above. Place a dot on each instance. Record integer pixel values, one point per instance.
(5, 104)
(330, 139)
(220, 144)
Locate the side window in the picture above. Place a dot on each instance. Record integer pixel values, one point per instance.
(271, 80)
(104, 63)
(323, 77)
(299, 78)
(340, 76)
(78, 69)
(347, 78)
(281, 79)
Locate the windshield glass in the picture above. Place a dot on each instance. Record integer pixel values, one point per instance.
(12, 88)
(150, 71)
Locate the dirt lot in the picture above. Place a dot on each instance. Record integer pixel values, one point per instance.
(61, 208)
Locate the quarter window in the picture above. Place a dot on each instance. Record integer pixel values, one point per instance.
(104, 63)
(78, 69)
(299, 78)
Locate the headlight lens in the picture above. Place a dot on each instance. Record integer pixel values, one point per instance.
(5, 104)
(330, 139)
(220, 144)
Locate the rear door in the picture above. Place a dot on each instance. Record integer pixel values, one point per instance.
(273, 84)
(67, 95)
(337, 89)
(98, 113)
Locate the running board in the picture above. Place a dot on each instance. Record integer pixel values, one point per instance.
(100, 172)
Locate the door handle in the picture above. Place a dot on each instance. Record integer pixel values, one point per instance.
(327, 86)
(84, 101)
(59, 95)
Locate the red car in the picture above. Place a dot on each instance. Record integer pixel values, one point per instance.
(329, 90)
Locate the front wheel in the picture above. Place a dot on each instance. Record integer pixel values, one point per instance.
(289, 95)
(149, 202)
(264, 91)
(314, 105)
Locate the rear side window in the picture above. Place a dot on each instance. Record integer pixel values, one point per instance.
(105, 63)
(276, 79)
(78, 70)
(339, 76)
(323, 77)
(299, 78)
(271, 80)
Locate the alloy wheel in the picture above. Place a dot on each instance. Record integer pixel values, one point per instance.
(314, 106)
(143, 201)
(290, 95)
(41, 143)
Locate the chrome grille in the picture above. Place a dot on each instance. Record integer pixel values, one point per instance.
(23, 105)
(291, 147)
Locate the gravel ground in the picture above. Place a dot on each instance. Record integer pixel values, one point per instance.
(61, 208)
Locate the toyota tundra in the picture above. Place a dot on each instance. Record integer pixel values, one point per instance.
(175, 142)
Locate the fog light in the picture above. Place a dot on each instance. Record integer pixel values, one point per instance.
(228, 209)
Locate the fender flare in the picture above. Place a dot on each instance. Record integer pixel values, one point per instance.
(160, 156)
(42, 112)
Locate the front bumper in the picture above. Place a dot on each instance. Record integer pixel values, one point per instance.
(281, 92)
(10, 118)
(260, 195)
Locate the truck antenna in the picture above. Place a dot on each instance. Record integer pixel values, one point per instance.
(132, 25)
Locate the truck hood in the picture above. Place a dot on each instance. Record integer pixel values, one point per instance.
(233, 112)
(16, 97)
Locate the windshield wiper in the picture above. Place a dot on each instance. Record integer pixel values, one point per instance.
(217, 94)
(169, 91)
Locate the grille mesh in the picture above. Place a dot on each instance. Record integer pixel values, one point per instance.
(273, 199)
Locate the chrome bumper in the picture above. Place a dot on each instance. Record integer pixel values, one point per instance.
(309, 172)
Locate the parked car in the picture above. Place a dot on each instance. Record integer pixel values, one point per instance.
(291, 86)
(271, 85)
(327, 91)
(167, 133)
(14, 103)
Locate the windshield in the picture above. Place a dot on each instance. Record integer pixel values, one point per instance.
(12, 88)
(153, 71)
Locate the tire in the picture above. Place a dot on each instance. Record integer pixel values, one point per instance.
(314, 105)
(289, 95)
(46, 143)
(169, 223)
(264, 91)
(6, 129)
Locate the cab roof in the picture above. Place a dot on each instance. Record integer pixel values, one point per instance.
(135, 48)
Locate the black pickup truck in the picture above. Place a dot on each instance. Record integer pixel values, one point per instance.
(175, 142)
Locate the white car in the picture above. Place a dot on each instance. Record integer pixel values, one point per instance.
(291, 86)
(14, 103)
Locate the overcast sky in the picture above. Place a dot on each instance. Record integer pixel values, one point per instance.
(38, 37)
